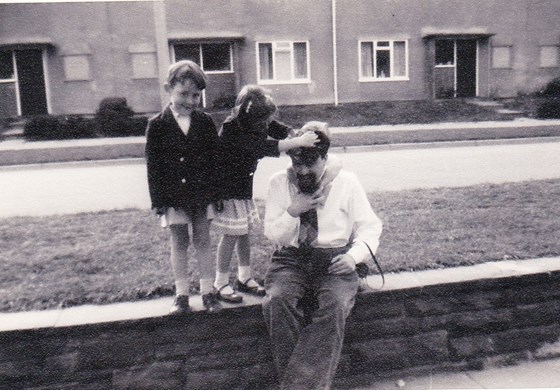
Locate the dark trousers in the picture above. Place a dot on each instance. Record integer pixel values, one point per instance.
(306, 349)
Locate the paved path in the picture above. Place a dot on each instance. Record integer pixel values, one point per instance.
(91, 186)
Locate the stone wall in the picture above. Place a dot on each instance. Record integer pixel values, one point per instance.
(457, 324)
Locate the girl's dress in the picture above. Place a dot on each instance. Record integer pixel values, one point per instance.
(242, 150)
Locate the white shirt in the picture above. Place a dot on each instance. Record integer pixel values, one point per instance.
(183, 120)
(345, 217)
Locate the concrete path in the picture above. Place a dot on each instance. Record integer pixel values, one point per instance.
(47, 189)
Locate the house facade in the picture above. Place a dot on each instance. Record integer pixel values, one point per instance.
(65, 57)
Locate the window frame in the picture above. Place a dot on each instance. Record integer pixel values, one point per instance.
(510, 54)
(557, 64)
(275, 48)
(391, 48)
(86, 57)
(201, 57)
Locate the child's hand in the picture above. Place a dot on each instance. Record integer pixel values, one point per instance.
(308, 139)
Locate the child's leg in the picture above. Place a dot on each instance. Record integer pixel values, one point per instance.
(245, 281)
(223, 259)
(201, 242)
(244, 257)
(179, 259)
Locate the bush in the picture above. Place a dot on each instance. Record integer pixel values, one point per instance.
(43, 127)
(553, 88)
(549, 109)
(51, 127)
(115, 118)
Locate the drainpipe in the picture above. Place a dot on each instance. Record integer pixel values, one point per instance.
(335, 68)
(162, 48)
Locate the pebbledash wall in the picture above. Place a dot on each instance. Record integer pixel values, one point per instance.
(455, 318)
(65, 57)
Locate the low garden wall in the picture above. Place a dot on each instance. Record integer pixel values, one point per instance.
(474, 315)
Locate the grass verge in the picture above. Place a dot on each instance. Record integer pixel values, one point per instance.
(113, 256)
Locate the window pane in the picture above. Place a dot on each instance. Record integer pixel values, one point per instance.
(383, 44)
(188, 52)
(6, 65)
(399, 56)
(367, 59)
(549, 56)
(265, 61)
(300, 60)
(144, 65)
(383, 62)
(283, 65)
(501, 57)
(445, 52)
(76, 67)
(216, 56)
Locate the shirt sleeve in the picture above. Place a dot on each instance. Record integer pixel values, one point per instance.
(279, 226)
(367, 225)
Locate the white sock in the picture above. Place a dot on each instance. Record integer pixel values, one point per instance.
(244, 273)
(222, 278)
(182, 287)
(206, 286)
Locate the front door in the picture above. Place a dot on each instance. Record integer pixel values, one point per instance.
(31, 81)
(22, 83)
(466, 68)
(455, 72)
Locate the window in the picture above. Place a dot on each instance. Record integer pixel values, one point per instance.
(76, 67)
(212, 57)
(283, 62)
(383, 60)
(7, 66)
(549, 57)
(501, 57)
(144, 65)
(445, 52)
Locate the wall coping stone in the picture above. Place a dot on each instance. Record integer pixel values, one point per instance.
(405, 282)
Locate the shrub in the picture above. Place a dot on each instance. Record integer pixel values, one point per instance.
(51, 127)
(549, 109)
(74, 127)
(224, 101)
(553, 88)
(43, 127)
(115, 118)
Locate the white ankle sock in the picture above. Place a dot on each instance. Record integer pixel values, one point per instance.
(244, 273)
(181, 287)
(222, 278)
(206, 286)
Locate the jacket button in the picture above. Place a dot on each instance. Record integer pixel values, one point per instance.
(182, 159)
(183, 180)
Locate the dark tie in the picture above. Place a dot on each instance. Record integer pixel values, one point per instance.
(309, 227)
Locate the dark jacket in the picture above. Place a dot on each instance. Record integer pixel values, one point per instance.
(182, 170)
(241, 150)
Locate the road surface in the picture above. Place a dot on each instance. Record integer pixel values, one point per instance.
(77, 187)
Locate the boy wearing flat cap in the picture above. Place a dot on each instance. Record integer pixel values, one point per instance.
(322, 224)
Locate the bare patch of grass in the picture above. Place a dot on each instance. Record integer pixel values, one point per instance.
(113, 256)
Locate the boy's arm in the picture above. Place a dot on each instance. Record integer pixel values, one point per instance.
(154, 164)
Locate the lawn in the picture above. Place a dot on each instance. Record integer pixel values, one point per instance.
(112, 256)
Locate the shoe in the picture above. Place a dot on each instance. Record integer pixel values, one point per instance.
(230, 298)
(258, 290)
(180, 305)
(210, 302)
